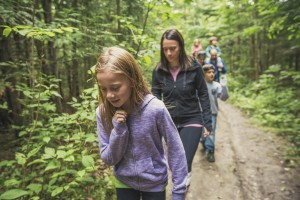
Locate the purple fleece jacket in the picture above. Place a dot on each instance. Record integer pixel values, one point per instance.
(136, 150)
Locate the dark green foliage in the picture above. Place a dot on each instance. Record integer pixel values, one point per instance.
(58, 155)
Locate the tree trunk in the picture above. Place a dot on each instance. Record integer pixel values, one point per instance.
(9, 94)
(53, 66)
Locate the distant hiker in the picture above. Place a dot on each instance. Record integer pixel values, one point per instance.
(179, 80)
(218, 63)
(215, 91)
(131, 123)
(196, 47)
(213, 45)
(201, 56)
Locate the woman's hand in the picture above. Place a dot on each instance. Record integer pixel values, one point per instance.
(120, 116)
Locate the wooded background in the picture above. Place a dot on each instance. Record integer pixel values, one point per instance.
(48, 95)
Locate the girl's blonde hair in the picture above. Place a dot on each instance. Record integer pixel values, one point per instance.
(196, 41)
(118, 60)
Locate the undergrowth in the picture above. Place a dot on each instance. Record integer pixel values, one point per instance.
(273, 101)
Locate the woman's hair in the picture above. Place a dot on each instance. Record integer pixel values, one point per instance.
(118, 60)
(185, 61)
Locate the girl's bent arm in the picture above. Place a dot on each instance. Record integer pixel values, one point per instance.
(112, 146)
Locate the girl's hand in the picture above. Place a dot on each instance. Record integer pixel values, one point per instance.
(206, 133)
(120, 116)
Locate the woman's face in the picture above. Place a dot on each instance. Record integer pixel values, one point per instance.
(171, 51)
(116, 88)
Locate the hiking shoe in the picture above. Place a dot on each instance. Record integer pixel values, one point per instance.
(211, 156)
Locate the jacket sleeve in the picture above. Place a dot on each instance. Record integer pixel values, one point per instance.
(176, 154)
(156, 87)
(224, 69)
(207, 51)
(112, 146)
(204, 99)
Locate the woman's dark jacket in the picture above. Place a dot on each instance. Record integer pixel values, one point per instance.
(186, 98)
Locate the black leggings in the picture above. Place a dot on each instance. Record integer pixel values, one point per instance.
(132, 194)
(190, 137)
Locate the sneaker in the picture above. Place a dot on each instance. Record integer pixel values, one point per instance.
(211, 156)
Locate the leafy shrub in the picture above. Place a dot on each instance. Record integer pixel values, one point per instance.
(58, 157)
(273, 101)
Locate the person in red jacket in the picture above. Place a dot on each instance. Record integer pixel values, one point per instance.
(196, 47)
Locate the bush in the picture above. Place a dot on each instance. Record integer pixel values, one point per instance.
(58, 157)
(273, 101)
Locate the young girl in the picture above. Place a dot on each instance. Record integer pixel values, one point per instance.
(196, 47)
(130, 124)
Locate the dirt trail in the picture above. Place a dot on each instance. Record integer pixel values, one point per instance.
(248, 164)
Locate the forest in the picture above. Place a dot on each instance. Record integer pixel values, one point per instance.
(48, 92)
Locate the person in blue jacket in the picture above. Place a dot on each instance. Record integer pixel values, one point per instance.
(213, 45)
(131, 123)
(178, 80)
(218, 63)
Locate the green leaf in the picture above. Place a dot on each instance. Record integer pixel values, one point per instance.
(52, 181)
(61, 154)
(36, 161)
(81, 173)
(12, 182)
(57, 30)
(7, 31)
(56, 94)
(21, 158)
(54, 164)
(34, 151)
(91, 138)
(46, 139)
(50, 34)
(37, 188)
(7, 163)
(56, 191)
(68, 29)
(69, 158)
(27, 93)
(22, 133)
(88, 161)
(49, 152)
(74, 99)
(13, 194)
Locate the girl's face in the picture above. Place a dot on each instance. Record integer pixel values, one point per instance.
(209, 75)
(171, 50)
(116, 88)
